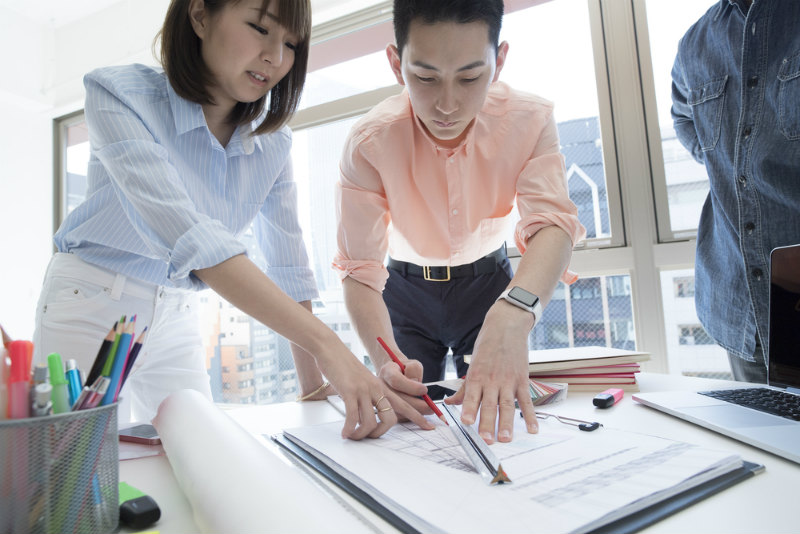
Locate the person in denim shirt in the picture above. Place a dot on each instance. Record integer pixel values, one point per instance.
(736, 108)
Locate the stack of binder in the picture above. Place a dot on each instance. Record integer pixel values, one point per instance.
(587, 368)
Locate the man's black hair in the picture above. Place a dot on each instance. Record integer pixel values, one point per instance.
(460, 11)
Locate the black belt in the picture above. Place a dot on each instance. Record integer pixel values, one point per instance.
(485, 265)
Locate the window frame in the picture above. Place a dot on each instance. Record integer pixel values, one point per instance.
(641, 245)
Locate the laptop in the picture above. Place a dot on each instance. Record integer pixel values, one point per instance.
(727, 411)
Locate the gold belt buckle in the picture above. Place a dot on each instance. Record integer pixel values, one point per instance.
(426, 273)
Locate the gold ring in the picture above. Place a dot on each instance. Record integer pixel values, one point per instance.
(389, 409)
(379, 400)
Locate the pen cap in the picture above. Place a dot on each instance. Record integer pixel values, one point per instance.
(20, 369)
(42, 394)
(57, 376)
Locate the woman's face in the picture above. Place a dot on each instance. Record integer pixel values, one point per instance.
(246, 53)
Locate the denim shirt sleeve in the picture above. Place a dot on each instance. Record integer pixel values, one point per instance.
(681, 111)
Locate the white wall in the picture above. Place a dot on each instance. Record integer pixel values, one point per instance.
(42, 69)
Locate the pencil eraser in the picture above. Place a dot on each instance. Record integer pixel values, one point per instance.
(607, 398)
(140, 512)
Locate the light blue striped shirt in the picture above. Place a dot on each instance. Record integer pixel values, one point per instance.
(165, 198)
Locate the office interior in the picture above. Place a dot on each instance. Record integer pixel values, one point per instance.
(639, 194)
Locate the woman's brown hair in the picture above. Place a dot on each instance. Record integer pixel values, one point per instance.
(190, 77)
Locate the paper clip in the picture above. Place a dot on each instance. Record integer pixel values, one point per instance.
(484, 460)
(586, 426)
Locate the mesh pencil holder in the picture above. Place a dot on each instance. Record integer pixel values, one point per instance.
(59, 473)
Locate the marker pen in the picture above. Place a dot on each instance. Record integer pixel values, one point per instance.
(97, 395)
(42, 405)
(58, 380)
(73, 381)
(39, 377)
(5, 372)
(19, 382)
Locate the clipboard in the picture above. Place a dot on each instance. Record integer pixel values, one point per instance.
(626, 525)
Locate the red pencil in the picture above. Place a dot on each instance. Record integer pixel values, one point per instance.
(425, 397)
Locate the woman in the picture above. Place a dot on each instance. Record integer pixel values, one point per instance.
(182, 162)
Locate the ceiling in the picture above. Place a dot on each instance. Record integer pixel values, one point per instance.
(57, 13)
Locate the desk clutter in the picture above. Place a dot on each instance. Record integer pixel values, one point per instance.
(58, 436)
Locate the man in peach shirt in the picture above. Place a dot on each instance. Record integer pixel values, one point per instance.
(431, 176)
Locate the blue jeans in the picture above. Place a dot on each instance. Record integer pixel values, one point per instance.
(430, 318)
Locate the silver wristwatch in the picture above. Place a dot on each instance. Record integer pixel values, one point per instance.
(524, 299)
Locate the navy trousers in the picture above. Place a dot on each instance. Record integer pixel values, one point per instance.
(429, 318)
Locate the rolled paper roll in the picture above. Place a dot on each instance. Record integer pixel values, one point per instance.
(235, 483)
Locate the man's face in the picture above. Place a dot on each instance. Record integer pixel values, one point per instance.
(447, 68)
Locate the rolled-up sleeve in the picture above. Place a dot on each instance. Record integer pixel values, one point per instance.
(152, 196)
(363, 219)
(543, 196)
(280, 238)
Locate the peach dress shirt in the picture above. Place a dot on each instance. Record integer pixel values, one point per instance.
(401, 193)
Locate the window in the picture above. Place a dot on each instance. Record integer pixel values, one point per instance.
(690, 350)
(592, 315)
(684, 286)
(680, 180)
(606, 65)
(694, 335)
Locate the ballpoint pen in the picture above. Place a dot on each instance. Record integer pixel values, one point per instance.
(425, 397)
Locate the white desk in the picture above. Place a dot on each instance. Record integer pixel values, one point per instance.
(765, 503)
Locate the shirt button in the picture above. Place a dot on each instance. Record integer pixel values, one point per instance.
(749, 227)
(747, 131)
(743, 180)
(752, 82)
(455, 212)
(757, 274)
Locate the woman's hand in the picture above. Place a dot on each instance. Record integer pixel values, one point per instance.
(371, 407)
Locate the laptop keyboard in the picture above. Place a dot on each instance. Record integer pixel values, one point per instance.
(766, 400)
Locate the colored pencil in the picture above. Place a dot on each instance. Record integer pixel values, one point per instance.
(112, 352)
(425, 397)
(137, 346)
(6, 338)
(102, 355)
(115, 374)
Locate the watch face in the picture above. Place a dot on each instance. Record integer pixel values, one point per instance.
(525, 297)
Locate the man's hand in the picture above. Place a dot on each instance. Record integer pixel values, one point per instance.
(498, 375)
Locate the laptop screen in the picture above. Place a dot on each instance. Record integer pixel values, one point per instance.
(784, 317)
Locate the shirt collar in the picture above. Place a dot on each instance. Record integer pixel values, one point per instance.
(189, 116)
(465, 145)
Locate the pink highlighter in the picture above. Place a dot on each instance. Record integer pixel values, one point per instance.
(19, 381)
(608, 398)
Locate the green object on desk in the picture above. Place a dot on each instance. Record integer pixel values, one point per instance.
(128, 492)
(136, 509)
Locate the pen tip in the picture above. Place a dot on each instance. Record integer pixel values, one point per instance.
(444, 420)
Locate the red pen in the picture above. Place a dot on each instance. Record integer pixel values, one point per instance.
(425, 397)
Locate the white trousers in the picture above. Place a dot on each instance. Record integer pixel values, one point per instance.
(78, 306)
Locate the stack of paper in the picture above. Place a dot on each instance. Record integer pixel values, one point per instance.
(562, 480)
(587, 368)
